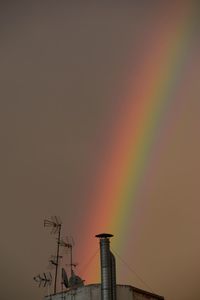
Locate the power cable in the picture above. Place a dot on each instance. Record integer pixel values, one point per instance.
(132, 270)
(89, 262)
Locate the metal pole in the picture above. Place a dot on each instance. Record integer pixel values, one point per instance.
(71, 262)
(57, 258)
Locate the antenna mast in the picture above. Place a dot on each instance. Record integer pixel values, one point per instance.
(46, 279)
(56, 226)
(69, 245)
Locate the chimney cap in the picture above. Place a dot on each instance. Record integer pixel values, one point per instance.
(104, 235)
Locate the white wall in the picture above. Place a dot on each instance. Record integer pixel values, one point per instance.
(93, 292)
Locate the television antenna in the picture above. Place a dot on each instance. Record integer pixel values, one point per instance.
(69, 244)
(56, 225)
(52, 261)
(45, 279)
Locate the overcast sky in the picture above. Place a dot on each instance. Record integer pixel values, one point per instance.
(63, 67)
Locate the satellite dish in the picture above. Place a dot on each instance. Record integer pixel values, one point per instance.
(65, 278)
(75, 280)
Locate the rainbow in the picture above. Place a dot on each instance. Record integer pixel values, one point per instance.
(140, 121)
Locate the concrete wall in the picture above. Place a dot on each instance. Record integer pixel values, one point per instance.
(93, 292)
(125, 292)
(89, 292)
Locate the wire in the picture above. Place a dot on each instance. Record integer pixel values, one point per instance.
(132, 270)
(89, 262)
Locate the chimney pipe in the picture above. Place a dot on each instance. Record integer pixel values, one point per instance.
(108, 274)
(113, 276)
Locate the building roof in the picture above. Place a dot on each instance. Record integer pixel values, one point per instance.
(142, 291)
(130, 287)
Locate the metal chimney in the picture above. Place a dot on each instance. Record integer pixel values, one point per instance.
(113, 277)
(108, 274)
